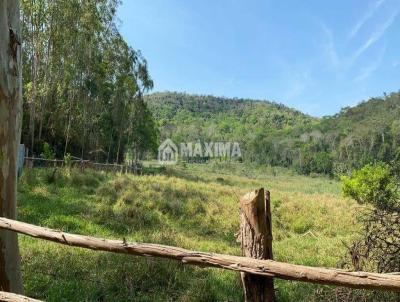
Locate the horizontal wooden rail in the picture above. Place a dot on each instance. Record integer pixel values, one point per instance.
(75, 161)
(10, 297)
(362, 280)
(44, 159)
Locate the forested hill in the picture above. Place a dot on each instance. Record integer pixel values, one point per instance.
(274, 134)
(191, 117)
(366, 133)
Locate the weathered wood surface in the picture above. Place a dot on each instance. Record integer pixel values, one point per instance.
(256, 241)
(9, 297)
(10, 134)
(268, 268)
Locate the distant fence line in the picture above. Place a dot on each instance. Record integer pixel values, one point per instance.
(31, 162)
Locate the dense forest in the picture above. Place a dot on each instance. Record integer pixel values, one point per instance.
(276, 135)
(85, 95)
(83, 84)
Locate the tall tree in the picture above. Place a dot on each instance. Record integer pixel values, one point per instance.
(143, 132)
(80, 79)
(10, 132)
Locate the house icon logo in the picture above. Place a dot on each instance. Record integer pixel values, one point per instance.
(167, 153)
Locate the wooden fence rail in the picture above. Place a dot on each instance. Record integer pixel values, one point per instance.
(31, 162)
(10, 297)
(267, 268)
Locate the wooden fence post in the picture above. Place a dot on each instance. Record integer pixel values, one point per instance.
(256, 240)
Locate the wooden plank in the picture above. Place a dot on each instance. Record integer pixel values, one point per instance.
(269, 268)
(9, 297)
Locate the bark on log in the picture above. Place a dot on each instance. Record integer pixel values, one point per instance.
(256, 240)
(268, 268)
(10, 297)
(10, 133)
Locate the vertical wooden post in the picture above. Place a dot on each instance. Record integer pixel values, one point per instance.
(10, 136)
(256, 240)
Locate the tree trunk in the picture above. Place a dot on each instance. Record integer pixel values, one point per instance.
(109, 150)
(69, 124)
(10, 134)
(32, 104)
(119, 146)
(256, 239)
(67, 135)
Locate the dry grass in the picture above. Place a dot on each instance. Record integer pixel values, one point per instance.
(195, 207)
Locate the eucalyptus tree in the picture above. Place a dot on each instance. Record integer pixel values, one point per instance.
(10, 132)
(81, 78)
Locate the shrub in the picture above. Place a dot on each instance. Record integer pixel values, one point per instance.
(376, 185)
(373, 184)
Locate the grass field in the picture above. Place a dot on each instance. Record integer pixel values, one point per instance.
(193, 206)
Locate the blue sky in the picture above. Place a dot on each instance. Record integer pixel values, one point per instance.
(314, 55)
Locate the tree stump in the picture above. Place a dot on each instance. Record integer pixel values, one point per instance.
(256, 240)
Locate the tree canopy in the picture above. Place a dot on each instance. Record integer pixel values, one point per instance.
(82, 82)
(273, 134)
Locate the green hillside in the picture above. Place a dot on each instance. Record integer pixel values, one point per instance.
(273, 134)
(183, 116)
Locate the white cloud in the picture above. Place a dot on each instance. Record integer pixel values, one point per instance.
(375, 36)
(371, 11)
(371, 68)
(300, 83)
(330, 48)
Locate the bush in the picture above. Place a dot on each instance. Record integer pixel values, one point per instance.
(373, 184)
(376, 185)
